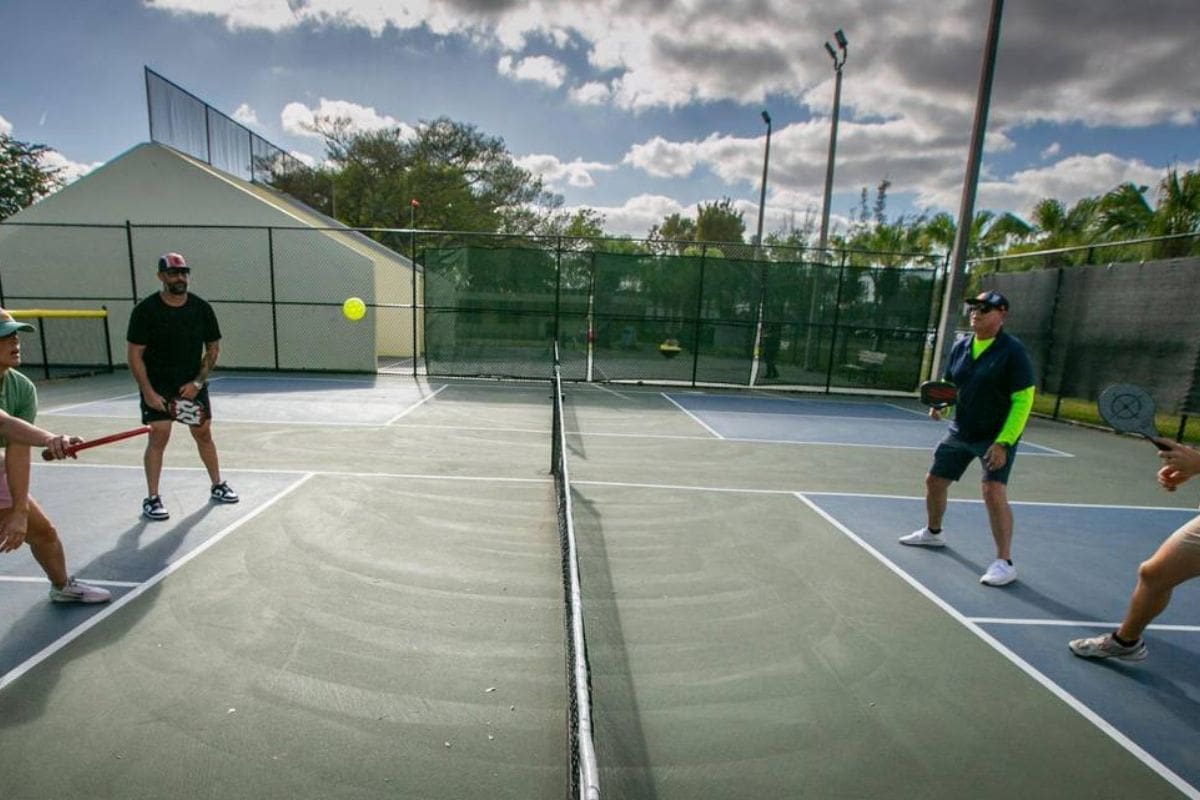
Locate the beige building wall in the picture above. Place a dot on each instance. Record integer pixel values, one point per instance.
(156, 188)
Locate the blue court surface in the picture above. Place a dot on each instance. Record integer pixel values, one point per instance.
(1076, 567)
(297, 401)
(819, 421)
(112, 545)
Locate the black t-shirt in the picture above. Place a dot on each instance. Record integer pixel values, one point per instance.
(174, 338)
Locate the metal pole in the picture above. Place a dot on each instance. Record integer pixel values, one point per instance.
(838, 63)
(412, 262)
(951, 307)
(762, 197)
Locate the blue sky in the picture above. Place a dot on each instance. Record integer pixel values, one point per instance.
(642, 108)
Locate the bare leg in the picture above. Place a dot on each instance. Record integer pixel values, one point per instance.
(1173, 563)
(45, 545)
(995, 497)
(152, 459)
(937, 492)
(207, 449)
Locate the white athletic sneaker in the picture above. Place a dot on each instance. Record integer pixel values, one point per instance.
(1000, 573)
(1107, 647)
(75, 592)
(923, 538)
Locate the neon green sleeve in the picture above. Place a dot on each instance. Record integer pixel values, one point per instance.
(1018, 415)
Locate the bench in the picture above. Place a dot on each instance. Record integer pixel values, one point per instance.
(869, 363)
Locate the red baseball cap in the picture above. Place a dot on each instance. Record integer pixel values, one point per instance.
(172, 261)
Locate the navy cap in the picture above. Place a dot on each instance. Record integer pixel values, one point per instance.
(989, 299)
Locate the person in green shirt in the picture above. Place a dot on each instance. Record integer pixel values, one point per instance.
(994, 376)
(22, 520)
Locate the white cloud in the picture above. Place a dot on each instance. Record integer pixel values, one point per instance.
(69, 170)
(298, 119)
(5, 127)
(577, 173)
(535, 69)
(637, 214)
(245, 115)
(1068, 180)
(908, 94)
(593, 93)
(303, 158)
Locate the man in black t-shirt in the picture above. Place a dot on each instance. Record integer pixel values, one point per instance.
(173, 344)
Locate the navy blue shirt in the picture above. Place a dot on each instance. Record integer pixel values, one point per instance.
(986, 386)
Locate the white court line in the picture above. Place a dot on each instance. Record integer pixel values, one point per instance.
(415, 405)
(698, 421)
(1078, 623)
(612, 391)
(110, 609)
(325, 472)
(61, 409)
(1150, 761)
(915, 498)
(43, 579)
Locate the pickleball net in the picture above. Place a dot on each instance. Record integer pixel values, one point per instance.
(584, 774)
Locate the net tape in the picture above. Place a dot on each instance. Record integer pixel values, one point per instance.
(585, 780)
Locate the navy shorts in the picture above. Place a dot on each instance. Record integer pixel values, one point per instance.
(954, 454)
(151, 415)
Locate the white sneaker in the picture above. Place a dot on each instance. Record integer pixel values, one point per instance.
(75, 592)
(923, 538)
(1107, 647)
(1000, 573)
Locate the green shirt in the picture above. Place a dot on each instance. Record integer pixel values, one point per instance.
(18, 397)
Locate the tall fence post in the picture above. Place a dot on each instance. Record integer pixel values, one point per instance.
(274, 305)
(837, 312)
(412, 268)
(557, 285)
(132, 267)
(1051, 340)
(699, 311)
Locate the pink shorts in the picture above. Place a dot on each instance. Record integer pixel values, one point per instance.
(1188, 534)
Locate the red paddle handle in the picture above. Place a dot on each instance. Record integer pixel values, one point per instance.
(112, 437)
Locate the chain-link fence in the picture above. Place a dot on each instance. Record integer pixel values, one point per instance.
(1089, 322)
(486, 305)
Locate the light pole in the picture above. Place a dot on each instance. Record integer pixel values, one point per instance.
(758, 251)
(839, 61)
(762, 197)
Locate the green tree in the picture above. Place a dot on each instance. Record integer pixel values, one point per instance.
(24, 178)
(464, 179)
(673, 235)
(719, 222)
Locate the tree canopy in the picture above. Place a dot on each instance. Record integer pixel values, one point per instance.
(24, 177)
(463, 179)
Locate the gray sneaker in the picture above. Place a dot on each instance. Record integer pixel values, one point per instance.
(1107, 647)
(923, 538)
(75, 592)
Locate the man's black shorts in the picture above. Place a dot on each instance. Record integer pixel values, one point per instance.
(151, 415)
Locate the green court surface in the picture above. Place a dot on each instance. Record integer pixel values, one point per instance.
(382, 616)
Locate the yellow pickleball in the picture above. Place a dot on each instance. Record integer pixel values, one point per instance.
(354, 309)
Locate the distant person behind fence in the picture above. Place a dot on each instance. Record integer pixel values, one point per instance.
(173, 344)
